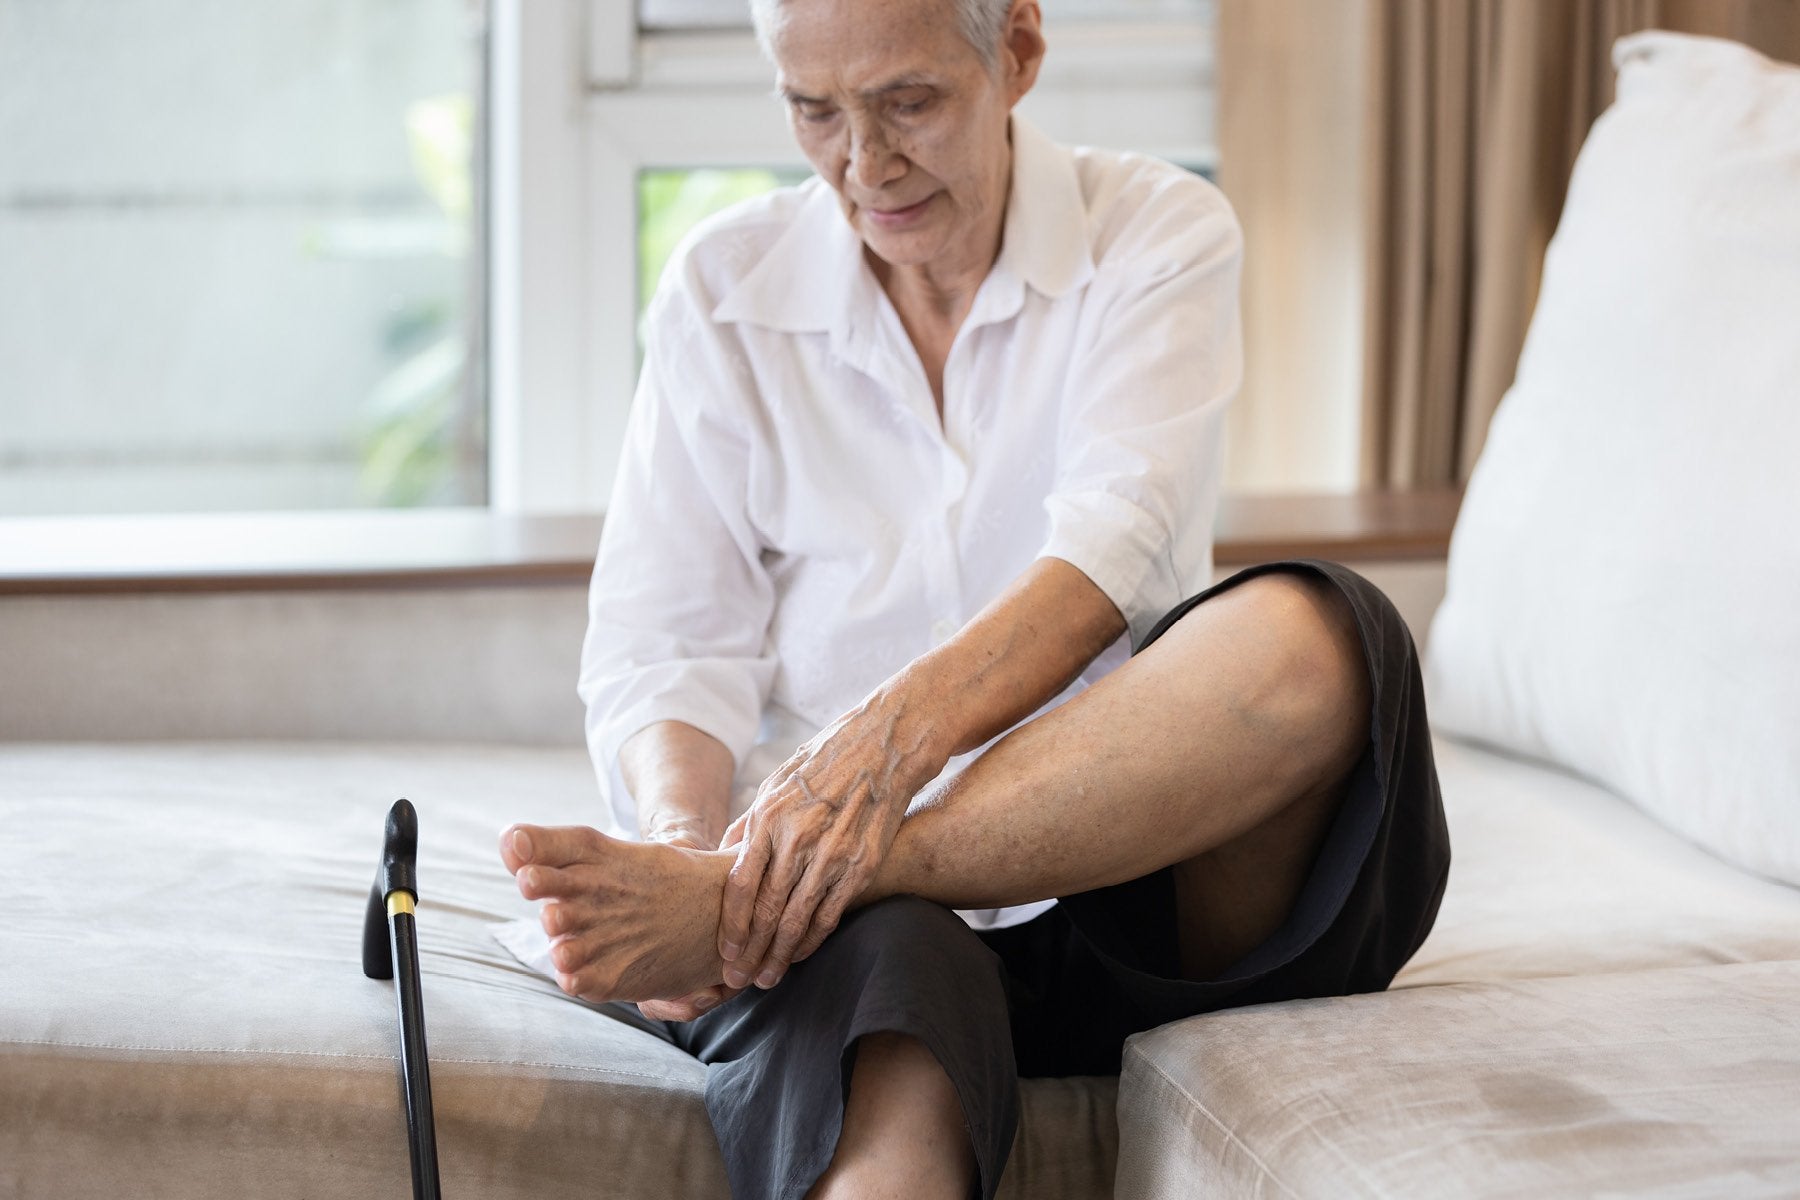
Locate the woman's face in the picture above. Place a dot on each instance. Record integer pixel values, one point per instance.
(898, 113)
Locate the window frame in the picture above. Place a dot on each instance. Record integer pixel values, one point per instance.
(583, 101)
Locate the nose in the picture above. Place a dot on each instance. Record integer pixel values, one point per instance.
(874, 162)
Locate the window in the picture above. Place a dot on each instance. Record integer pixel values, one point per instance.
(729, 14)
(679, 86)
(673, 201)
(242, 255)
(326, 253)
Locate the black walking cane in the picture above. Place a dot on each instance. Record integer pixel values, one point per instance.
(390, 950)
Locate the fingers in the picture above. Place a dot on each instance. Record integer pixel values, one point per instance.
(825, 920)
(795, 922)
(772, 900)
(688, 1007)
(739, 902)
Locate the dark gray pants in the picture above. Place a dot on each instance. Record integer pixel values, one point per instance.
(779, 1062)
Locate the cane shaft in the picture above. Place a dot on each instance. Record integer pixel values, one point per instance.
(415, 1066)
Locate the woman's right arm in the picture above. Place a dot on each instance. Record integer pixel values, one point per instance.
(681, 602)
(681, 778)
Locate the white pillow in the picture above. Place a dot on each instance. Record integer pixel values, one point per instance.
(1624, 580)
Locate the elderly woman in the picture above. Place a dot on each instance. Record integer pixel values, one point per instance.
(923, 449)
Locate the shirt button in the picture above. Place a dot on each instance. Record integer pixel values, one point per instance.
(943, 631)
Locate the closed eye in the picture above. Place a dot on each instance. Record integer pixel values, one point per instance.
(911, 105)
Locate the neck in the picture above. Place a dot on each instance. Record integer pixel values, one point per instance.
(944, 288)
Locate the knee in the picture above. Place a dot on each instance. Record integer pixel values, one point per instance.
(1311, 686)
(1319, 648)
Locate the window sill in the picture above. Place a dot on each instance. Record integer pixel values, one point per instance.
(479, 548)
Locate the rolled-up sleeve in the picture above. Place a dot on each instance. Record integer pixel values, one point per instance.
(680, 605)
(1138, 448)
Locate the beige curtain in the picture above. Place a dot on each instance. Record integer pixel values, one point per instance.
(1292, 75)
(1474, 112)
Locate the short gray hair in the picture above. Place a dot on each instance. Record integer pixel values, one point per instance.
(979, 20)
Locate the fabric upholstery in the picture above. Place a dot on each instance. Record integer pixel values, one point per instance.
(1617, 1017)
(183, 1013)
(182, 1009)
(1622, 578)
(1554, 875)
(1672, 1083)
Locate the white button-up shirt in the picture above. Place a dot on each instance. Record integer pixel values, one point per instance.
(793, 523)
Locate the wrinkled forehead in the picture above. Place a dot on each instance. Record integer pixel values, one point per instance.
(831, 45)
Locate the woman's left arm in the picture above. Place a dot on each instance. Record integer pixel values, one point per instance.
(821, 825)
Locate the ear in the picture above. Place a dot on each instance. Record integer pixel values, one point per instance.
(1021, 49)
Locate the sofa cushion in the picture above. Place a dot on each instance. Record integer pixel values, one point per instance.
(1554, 875)
(182, 1006)
(1650, 1083)
(1622, 580)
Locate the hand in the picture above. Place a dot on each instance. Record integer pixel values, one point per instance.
(817, 833)
(685, 1008)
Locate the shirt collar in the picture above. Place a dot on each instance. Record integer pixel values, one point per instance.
(814, 278)
(1046, 240)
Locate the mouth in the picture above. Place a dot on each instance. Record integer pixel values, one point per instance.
(894, 218)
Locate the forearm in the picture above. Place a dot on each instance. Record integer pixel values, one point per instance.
(681, 780)
(1017, 653)
(848, 789)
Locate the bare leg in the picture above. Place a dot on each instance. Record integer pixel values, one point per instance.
(904, 1134)
(1221, 748)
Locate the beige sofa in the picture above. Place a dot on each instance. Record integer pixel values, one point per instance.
(190, 800)
(182, 1013)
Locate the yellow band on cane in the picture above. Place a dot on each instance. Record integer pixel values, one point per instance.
(399, 902)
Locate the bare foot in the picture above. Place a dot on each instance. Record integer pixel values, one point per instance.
(626, 920)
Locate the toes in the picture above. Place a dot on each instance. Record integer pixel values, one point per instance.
(590, 984)
(551, 845)
(568, 955)
(509, 847)
(554, 846)
(558, 919)
(548, 883)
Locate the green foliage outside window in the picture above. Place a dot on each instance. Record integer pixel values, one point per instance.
(412, 431)
(672, 202)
